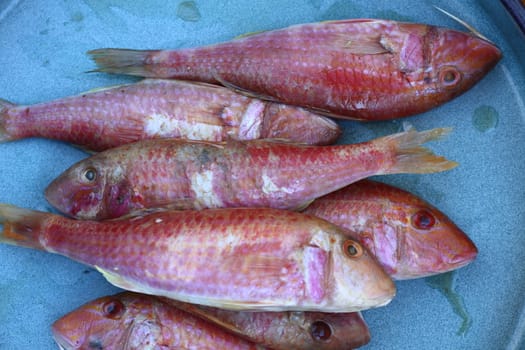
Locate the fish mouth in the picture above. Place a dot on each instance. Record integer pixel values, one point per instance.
(65, 339)
(382, 294)
(80, 204)
(446, 264)
(62, 342)
(462, 259)
(56, 197)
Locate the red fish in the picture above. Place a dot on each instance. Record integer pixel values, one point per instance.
(245, 259)
(288, 330)
(196, 175)
(408, 236)
(362, 69)
(114, 116)
(130, 321)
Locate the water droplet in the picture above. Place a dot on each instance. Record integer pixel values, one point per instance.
(445, 284)
(316, 3)
(77, 17)
(188, 11)
(485, 118)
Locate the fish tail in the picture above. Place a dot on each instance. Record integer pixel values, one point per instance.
(122, 61)
(22, 227)
(4, 107)
(411, 157)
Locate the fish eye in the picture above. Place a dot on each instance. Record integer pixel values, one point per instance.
(423, 220)
(113, 309)
(449, 76)
(89, 175)
(352, 249)
(320, 331)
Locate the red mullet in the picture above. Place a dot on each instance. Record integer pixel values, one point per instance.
(362, 69)
(113, 116)
(195, 175)
(240, 259)
(408, 236)
(133, 321)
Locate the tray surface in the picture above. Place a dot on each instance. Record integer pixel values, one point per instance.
(480, 306)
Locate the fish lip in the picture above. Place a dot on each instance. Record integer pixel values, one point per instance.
(384, 294)
(462, 259)
(63, 342)
(448, 264)
(366, 336)
(55, 196)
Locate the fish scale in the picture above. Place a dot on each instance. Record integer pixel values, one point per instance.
(194, 175)
(113, 116)
(247, 259)
(385, 219)
(361, 69)
(140, 322)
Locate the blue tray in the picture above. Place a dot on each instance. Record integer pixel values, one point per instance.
(43, 47)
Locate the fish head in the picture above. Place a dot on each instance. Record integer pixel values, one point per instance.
(94, 188)
(122, 321)
(456, 61)
(430, 243)
(333, 330)
(360, 280)
(409, 237)
(413, 238)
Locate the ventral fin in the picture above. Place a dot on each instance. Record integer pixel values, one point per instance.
(116, 279)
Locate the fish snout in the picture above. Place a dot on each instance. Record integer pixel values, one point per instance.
(380, 290)
(487, 56)
(65, 336)
(464, 254)
(55, 195)
(81, 202)
(475, 56)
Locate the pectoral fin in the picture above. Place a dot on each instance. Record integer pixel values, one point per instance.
(365, 46)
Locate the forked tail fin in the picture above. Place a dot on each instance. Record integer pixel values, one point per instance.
(122, 61)
(411, 157)
(22, 227)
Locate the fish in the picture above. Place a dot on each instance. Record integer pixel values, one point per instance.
(250, 259)
(175, 174)
(409, 237)
(131, 321)
(292, 330)
(155, 108)
(363, 69)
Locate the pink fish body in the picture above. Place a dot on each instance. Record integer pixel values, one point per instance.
(363, 69)
(113, 116)
(244, 259)
(290, 330)
(130, 321)
(196, 175)
(408, 236)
